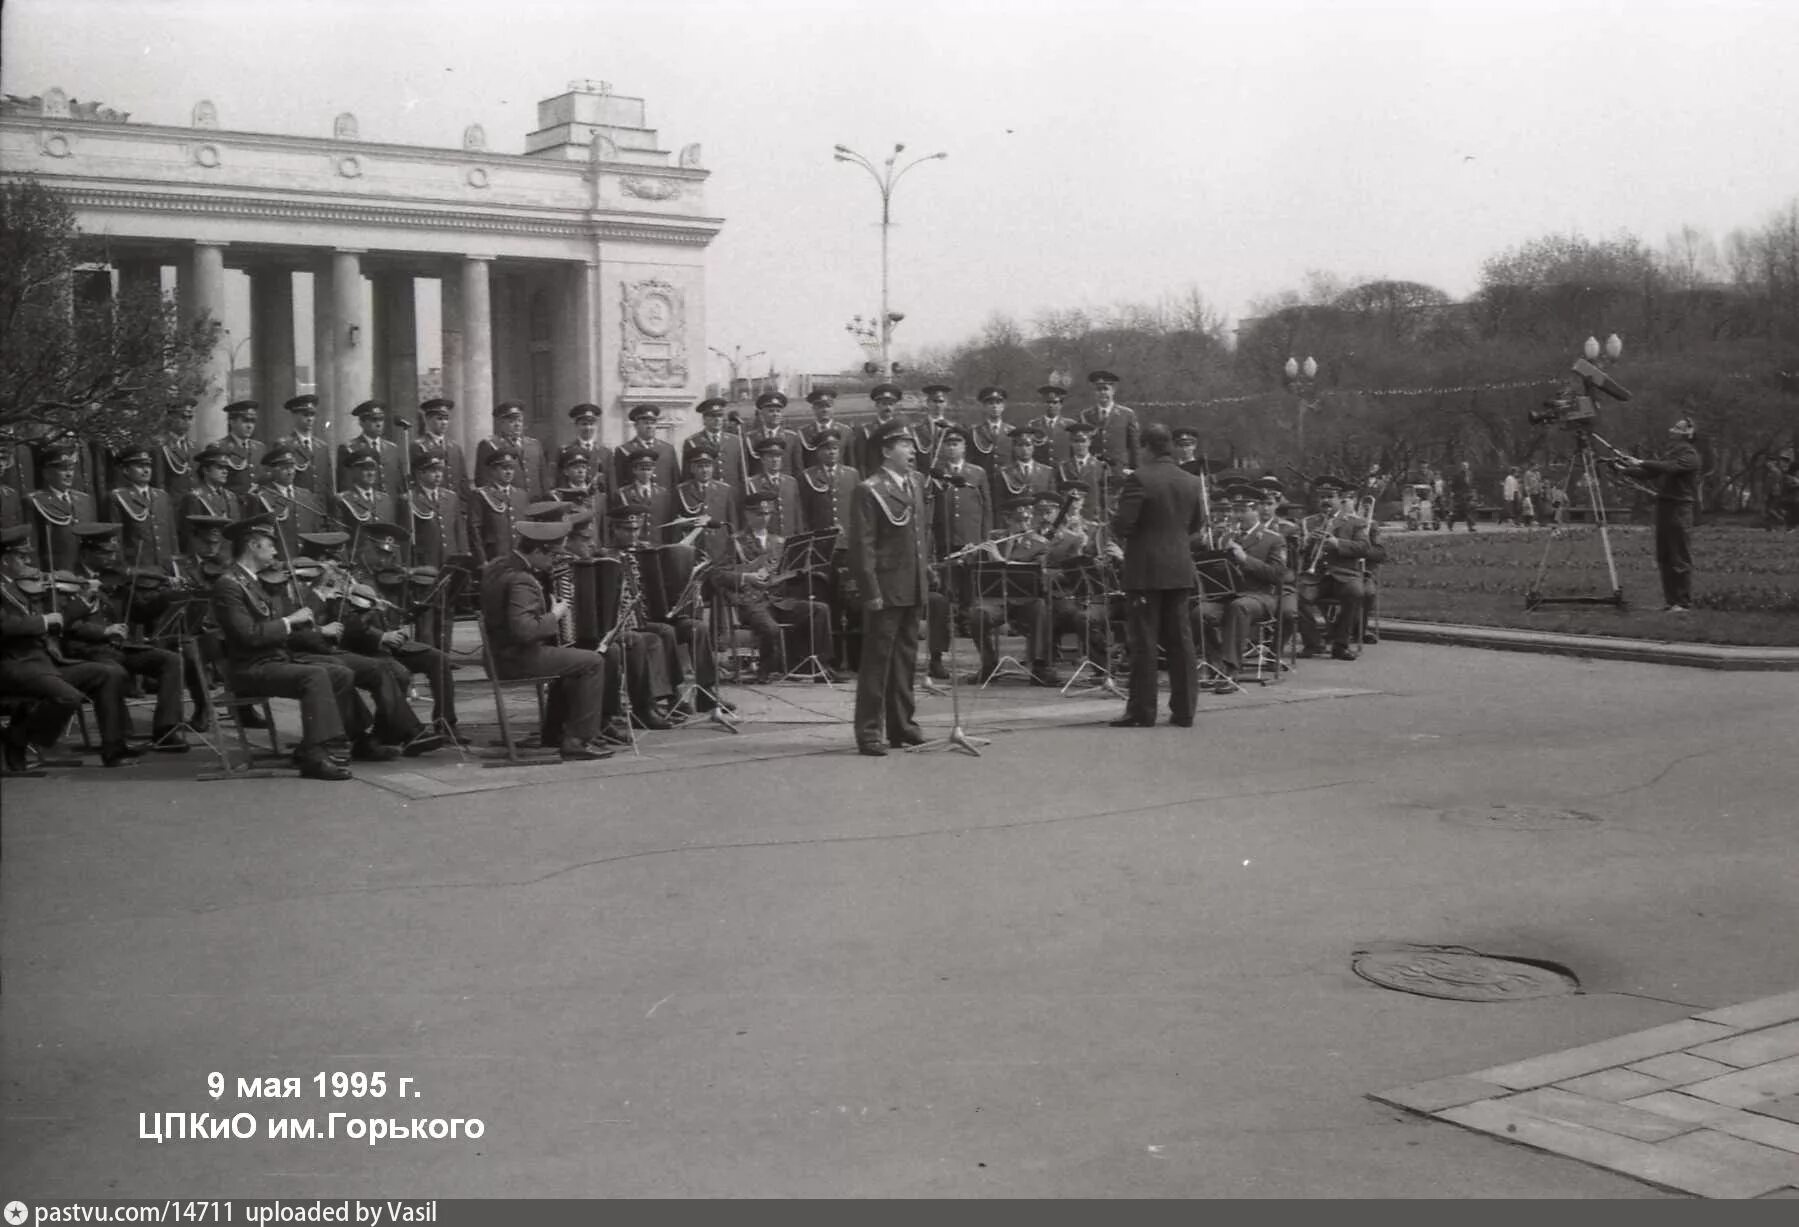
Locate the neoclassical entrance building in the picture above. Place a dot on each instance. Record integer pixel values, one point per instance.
(572, 272)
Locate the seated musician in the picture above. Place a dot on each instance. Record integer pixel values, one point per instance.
(438, 517)
(643, 653)
(97, 630)
(255, 638)
(827, 491)
(774, 481)
(752, 589)
(1017, 542)
(1074, 548)
(685, 646)
(33, 666)
(703, 495)
(497, 506)
(191, 574)
(1278, 517)
(384, 679)
(1223, 628)
(381, 627)
(961, 502)
(522, 627)
(1342, 545)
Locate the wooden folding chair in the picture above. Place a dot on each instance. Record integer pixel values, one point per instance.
(540, 684)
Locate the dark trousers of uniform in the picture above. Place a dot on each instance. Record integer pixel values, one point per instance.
(435, 667)
(1223, 628)
(884, 680)
(1674, 551)
(385, 680)
(643, 662)
(60, 689)
(162, 669)
(808, 632)
(937, 624)
(1029, 618)
(695, 639)
(577, 699)
(357, 720)
(1086, 620)
(1159, 616)
(326, 692)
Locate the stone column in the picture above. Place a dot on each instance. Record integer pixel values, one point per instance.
(204, 295)
(330, 425)
(463, 427)
(140, 276)
(351, 339)
(477, 400)
(397, 354)
(272, 346)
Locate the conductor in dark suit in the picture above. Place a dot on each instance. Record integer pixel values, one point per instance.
(889, 537)
(1158, 515)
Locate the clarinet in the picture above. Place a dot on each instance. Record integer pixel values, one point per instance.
(562, 583)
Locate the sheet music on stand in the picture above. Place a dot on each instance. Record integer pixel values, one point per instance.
(1220, 579)
(810, 555)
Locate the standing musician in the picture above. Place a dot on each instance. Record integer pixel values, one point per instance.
(702, 495)
(313, 470)
(33, 665)
(209, 496)
(686, 641)
(1056, 427)
(1023, 477)
(773, 480)
(640, 487)
(987, 439)
(497, 507)
(509, 435)
(440, 534)
(255, 637)
(826, 493)
(374, 628)
(889, 549)
(930, 431)
(390, 460)
(729, 465)
(643, 652)
(666, 468)
(173, 450)
(824, 405)
(961, 505)
(434, 442)
(362, 501)
(58, 508)
(521, 627)
(864, 453)
(385, 680)
(293, 507)
(1157, 519)
(1081, 466)
(1261, 557)
(1339, 548)
(586, 418)
(1119, 440)
(768, 429)
(752, 588)
(97, 630)
(1016, 541)
(240, 448)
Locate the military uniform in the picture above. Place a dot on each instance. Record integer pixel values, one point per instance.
(55, 514)
(314, 471)
(241, 455)
(1222, 628)
(494, 513)
(809, 632)
(889, 551)
(533, 470)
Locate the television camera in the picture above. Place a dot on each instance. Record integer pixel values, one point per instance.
(1576, 406)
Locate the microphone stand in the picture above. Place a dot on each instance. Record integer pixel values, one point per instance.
(957, 738)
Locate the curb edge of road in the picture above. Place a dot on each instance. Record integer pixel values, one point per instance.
(1597, 647)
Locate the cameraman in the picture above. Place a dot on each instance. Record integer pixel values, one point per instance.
(1676, 490)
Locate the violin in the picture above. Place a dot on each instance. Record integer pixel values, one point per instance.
(147, 579)
(65, 583)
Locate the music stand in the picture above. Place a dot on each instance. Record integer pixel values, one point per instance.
(809, 554)
(450, 578)
(701, 620)
(1086, 582)
(1008, 583)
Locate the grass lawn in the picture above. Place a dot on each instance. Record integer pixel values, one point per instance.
(1745, 582)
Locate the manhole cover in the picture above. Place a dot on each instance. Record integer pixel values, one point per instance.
(1456, 973)
(1518, 817)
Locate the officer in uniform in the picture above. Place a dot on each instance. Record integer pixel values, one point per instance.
(362, 501)
(58, 508)
(528, 456)
(824, 421)
(987, 440)
(97, 630)
(728, 462)
(242, 452)
(641, 487)
(1023, 477)
(961, 507)
(497, 507)
(209, 495)
(773, 479)
(440, 534)
(826, 493)
(1342, 556)
(255, 638)
(1054, 425)
(294, 510)
(889, 552)
(1186, 451)
(702, 495)
(521, 626)
(381, 629)
(434, 442)
(1118, 438)
(864, 453)
(33, 666)
(1261, 557)
(1030, 617)
(643, 651)
(1081, 467)
(743, 578)
(390, 460)
(930, 431)
(173, 451)
(586, 418)
(666, 467)
(146, 514)
(313, 470)
(768, 429)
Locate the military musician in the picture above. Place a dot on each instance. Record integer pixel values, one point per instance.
(380, 626)
(643, 651)
(497, 507)
(754, 589)
(361, 501)
(988, 441)
(173, 450)
(242, 451)
(293, 507)
(773, 480)
(702, 496)
(961, 508)
(209, 495)
(889, 553)
(1118, 438)
(313, 470)
(864, 452)
(729, 464)
(1339, 545)
(824, 421)
(770, 406)
(529, 469)
(59, 507)
(665, 467)
(1224, 626)
(1055, 426)
(98, 630)
(434, 442)
(390, 459)
(1015, 541)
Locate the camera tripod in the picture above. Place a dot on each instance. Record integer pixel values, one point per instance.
(1582, 462)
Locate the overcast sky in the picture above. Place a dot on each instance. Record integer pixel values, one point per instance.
(1097, 152)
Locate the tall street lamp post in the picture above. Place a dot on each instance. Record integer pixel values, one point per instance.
(736, 360)
(1301, 379)
(885, 180)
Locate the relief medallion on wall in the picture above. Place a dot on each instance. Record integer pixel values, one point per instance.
(654, 323)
